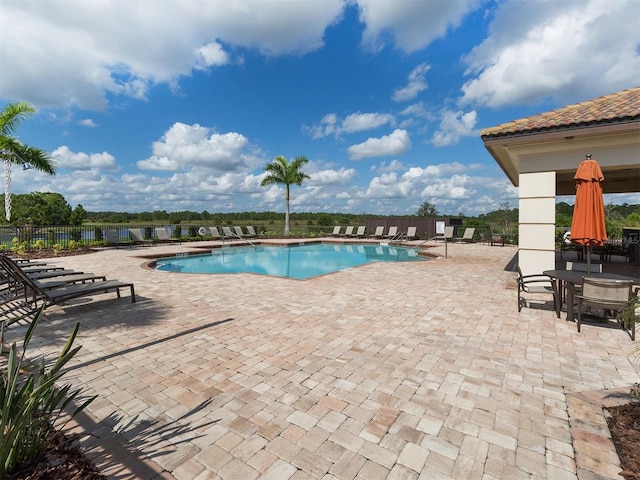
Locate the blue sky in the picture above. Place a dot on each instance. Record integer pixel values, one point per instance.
(178, 105)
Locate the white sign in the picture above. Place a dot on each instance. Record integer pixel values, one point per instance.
(439, 228)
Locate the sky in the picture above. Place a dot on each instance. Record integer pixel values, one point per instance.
(148, 105)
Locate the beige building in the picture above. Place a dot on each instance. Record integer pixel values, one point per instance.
(541, 153)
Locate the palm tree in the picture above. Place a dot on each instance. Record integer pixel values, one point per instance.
(14, 151)
(280, 171)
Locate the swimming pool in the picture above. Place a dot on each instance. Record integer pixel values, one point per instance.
(298, 262)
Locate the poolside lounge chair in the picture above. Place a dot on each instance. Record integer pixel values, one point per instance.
(447, 236)
(137, 237)
(251, 233)
(215, 233)
(56, 295)
(378, 233)
(163, 236)
(360, 232)
(227, 233)
(467, 237)
(336, 231)
(239, 232)
(348, 232)
(113, 239)
(411, 233)
(393, 231)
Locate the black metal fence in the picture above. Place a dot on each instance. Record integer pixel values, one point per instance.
(42, 236)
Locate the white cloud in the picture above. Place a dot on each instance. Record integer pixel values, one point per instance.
(88, 122)
(332, 177)
(358, 122)
(396, 143)
(184, 146)
(65, 158)
(101, 47)
(412, 24)
(453, 126)
(330, 124)
(554, 49)
(211, 54)
(416, 84)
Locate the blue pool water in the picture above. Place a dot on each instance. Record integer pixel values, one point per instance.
(299, 262)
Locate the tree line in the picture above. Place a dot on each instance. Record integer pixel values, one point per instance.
(46, 208)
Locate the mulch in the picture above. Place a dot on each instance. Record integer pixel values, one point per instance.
(624, 426)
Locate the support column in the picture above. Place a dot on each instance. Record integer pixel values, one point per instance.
(537, 218)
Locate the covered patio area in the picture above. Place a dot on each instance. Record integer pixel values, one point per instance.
(540, 155)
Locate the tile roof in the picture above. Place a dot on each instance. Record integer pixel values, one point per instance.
(614, 108)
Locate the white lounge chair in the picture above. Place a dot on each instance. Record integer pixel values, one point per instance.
(137, 237)
(360, 232)
(393, 231)
(467, 237)
(379, 232)
(163, 236)
(348, 232)
(336, 231)
(215, 233)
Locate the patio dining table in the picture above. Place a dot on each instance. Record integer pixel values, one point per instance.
(573, 277)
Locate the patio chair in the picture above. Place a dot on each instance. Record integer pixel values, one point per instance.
(113, 239)
(56, 295)
(348, 232)
(411, 233)
(137, 237)
(163, 236)
(393, 231)
(239, 232)
(612, 296)
(447, 236)
(336, 231)
(497, 239)
(215, 233)
(227, 233)
(360, 232)
(251, 233)
(467, 237)
(378, 233)
(536, 284)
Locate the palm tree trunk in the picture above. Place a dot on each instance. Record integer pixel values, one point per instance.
(287, 229)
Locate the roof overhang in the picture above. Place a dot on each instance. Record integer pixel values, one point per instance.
(616, 147)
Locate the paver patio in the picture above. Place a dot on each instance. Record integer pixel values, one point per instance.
(388, 371)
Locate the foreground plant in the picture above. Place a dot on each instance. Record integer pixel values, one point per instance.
(31, 402)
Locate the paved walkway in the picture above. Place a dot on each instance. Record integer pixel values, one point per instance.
(389, 371)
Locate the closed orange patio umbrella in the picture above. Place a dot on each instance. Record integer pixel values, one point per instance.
(587, 226)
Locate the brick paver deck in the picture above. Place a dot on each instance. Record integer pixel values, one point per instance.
(389, 371)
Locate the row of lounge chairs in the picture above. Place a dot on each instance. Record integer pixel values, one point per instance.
(136, 237)
(24, 285)
(236, 234)
(447, 235)
(392, 233)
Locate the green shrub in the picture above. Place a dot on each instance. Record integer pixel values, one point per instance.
(193, 231)
(30, 401)
(52, 236)
(75, 235)
(97, 234)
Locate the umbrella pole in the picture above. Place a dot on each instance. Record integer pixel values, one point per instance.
(588, 259)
